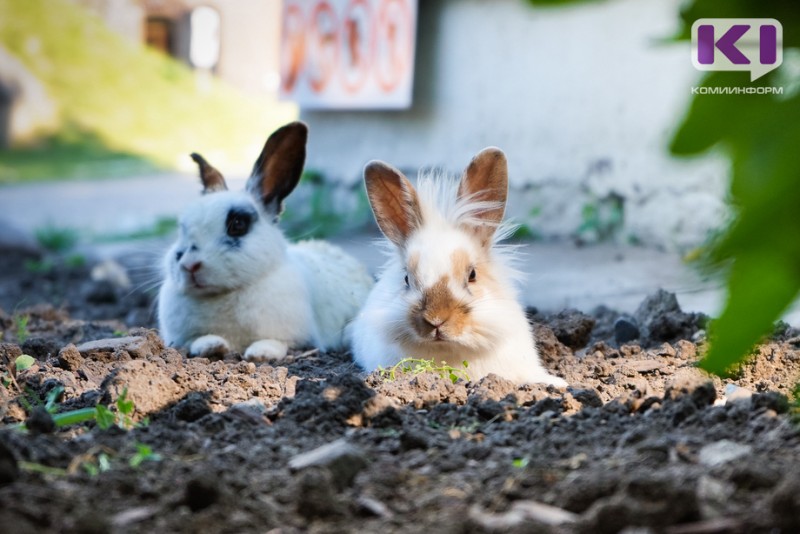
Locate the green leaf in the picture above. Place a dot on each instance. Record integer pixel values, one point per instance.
(91, 469)
(124, 406)
(759, 133)
(33, 467)
(51, 400)
(520, 463)
(24, 362)
(143, 453)
(761, 286)
(103, 462)
(105, 417)
(75, 416)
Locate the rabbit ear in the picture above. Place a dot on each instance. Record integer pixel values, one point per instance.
(279, 167)
(486, 180)
(212, 179)
(394, 201)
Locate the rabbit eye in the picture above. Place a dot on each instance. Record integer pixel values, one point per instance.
(472, 275)
(238, 223)
(406, 280)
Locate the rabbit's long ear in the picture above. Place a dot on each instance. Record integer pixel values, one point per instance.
(485, 181)
(212, 179)
(394, 201)
(279, 167)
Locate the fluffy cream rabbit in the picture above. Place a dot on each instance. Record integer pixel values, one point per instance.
(447, 291)
(232, 282)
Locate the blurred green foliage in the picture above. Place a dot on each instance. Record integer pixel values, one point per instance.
(123, 100)
(56, 239)
(72, 152)
(761, 136)
(318, 209)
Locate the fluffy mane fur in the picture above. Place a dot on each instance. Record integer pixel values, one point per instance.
(437, 193)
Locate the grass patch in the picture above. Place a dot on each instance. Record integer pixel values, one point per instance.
(69, 154)
(56, 239)
(123, 107)
(162, 227)
(417, 366)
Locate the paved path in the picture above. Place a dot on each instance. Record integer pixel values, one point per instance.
(559, 275)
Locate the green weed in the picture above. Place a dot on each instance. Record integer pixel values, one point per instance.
(97, 465)
(74, 261)
(33, 467)
(123, 417)
(526, 230)
(794, 407)
(417, 366)
(56, 239)
(602, 219)
(143, 454)
(21, 327)
(39, 266)
(313, 212)
(103, 416)
(162, 227)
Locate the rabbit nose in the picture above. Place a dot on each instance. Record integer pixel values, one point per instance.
(434, 322)
(193, 267)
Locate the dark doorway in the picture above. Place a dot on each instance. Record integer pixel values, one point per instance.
(159, 33)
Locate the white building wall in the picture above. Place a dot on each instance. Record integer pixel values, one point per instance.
(583, 100)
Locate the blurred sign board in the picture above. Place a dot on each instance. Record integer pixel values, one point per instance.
(204, 37)
(348, 54)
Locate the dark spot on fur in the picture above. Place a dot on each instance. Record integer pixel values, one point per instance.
(238, 223)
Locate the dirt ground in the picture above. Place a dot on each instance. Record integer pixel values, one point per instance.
(641, 440)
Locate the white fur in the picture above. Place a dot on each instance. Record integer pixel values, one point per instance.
(499, 339)
(259, 298)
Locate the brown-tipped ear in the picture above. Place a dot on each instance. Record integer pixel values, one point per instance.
(486, 180)
(394, 201)
(280, 165)
(212, 179)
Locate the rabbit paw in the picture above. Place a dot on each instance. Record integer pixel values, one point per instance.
(266, 349)
(208, 347)
(554, 380)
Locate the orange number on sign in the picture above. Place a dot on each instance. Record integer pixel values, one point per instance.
(324, 46)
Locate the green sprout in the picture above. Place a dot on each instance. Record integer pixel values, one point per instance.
(21, 322)
(143, 454)
(102, 415)
(123, 417)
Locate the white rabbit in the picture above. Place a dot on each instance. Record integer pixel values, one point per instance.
(447, 291)
(232, 282)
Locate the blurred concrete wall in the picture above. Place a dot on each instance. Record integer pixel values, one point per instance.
(582, 100)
